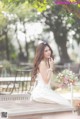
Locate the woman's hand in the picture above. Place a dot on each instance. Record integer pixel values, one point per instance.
(51, 63)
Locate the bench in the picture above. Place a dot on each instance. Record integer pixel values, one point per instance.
(15, 97)
(33, 110)
(18, 106)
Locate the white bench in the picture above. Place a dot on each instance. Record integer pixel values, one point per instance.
(34, 110)
(15, 97)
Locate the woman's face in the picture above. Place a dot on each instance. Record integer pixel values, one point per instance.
(47, 52)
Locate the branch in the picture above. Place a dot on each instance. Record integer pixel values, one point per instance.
(76, 12)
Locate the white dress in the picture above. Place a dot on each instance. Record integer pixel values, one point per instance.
(43, 93)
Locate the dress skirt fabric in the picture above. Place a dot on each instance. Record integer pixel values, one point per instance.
(43, 93)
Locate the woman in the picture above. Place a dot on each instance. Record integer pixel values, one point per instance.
(42, 71)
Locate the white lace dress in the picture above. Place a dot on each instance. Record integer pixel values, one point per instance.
(43, 93)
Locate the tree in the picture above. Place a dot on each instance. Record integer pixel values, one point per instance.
(41, 5)
(57, 23)
(11, 13)
(56, 12)
(3, 29)
(60, 24)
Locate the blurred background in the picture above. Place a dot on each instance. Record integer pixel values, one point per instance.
(24, 24)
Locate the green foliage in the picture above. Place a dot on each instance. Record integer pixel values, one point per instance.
(70, 20)
(6, 64)
(2, 18)
(13, 1)
(22, 10)
(40, 5)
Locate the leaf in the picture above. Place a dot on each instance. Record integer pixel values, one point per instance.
(40, 5)
(78, 5)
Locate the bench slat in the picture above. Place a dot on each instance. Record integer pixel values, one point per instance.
(17, 108)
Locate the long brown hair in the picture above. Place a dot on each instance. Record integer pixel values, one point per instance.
(39, 57)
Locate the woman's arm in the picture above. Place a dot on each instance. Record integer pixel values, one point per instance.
(45, 72)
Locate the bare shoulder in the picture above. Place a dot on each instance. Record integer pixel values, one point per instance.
(42, 63)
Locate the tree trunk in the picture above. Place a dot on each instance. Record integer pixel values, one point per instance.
(7, 45)
(61, 42)
(60, 30)
(26, 47)
(26, 43)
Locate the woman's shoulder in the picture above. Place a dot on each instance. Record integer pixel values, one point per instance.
(42, 62)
